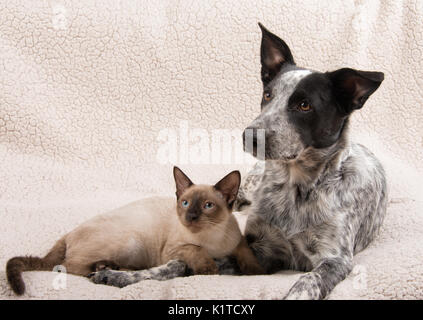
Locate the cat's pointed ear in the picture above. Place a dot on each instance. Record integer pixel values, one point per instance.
(181, 180)
(274, 53)
(229, 186)
(353, 87)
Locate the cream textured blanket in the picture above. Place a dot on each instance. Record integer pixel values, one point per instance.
(92, 92)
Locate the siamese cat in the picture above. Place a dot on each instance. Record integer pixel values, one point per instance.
(151, 232)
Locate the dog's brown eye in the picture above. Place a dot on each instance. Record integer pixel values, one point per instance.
(304, 106)
(267, 96)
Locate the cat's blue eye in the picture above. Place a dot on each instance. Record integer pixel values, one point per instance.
(208, 205)
(185, 203)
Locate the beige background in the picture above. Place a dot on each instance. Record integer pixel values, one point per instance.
(86, 87)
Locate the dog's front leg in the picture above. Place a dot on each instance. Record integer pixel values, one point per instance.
(116, 278)
(321, 280)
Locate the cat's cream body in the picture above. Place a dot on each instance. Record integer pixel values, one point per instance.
(141, 235)
(194, 229)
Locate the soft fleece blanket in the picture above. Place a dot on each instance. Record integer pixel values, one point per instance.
(87, 88)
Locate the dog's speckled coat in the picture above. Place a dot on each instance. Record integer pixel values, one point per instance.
(320, 198)
(318, 226)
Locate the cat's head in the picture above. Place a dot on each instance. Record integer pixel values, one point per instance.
(205, 206)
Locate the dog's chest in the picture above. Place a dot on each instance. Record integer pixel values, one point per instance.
(292, 208)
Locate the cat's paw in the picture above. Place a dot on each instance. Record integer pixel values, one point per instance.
(112, 278)
(104, 265)
(251, 269)
(204, 269)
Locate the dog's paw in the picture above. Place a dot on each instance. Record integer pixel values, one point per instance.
(299, 295)
(175, 268)
(112, 278)
(306, 288)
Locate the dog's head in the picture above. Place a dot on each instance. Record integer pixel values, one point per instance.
(303, 108)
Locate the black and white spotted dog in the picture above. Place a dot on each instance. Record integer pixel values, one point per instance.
(319, 198)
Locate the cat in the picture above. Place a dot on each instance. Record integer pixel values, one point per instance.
(152, 232)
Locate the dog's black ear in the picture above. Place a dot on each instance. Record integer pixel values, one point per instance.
(228, 186)
(181, 180)
(353, 87)
(274, 53)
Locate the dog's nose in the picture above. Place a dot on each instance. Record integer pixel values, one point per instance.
(254, 141)
(249, 138)
(253, 138)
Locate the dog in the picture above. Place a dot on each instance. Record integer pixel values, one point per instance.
(320, 198)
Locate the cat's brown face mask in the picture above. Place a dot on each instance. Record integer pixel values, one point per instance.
(201, 206)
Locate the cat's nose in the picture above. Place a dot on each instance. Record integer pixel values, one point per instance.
(191, 216)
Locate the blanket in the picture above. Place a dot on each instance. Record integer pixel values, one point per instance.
(99, 99)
